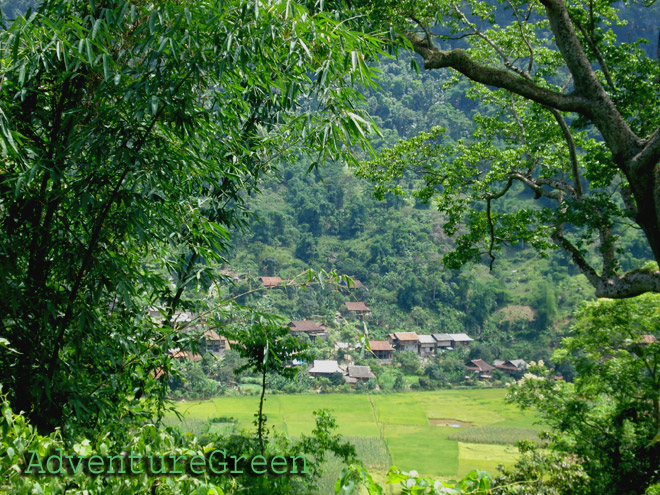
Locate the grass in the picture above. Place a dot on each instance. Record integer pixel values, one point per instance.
(482, 456)
(494, 435)
(394, 428)
(425, 449)
(371, 450)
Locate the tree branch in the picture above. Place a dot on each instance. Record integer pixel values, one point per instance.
(568, 137)
(630, 284)
(491, 231)
(599, 56)
(429, 40)
(610, 263)
(530, 64)
(459, 60)
(648, 155)
(617, 134)
(586, 269)
(628, 200)
(535, 185)
(505, 60)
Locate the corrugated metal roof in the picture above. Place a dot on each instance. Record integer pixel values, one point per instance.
(325, 366)
(360, 372)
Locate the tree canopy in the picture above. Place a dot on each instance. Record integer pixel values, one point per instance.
(130, 135)
(608, 417)
(568, 115)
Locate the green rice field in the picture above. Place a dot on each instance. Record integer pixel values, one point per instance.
(412, 431)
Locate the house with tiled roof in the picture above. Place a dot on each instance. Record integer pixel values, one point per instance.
(512, 367)
(271, 282)
(180, 355)
(325, 368)
(357, 308)
(382, 350)
(312, 328)
(404, 341)
(460, 339)
(442, 340)
(214, 343)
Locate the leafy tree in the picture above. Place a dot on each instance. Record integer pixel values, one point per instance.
(399, 384)
(191, 381)
(407, 361)
(568, 122)
(307, 248)
(130, 133)
(267, 347)
(542, 472)
(355, 479)
(546, 305)
(18, 438)
(609, 417)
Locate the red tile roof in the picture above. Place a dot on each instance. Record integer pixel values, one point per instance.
(270, 281)
(306, 326)
(356, 306)
(183, 355)
(380, 345)
(211, 335)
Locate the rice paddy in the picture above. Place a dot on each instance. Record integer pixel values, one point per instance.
(442, 434)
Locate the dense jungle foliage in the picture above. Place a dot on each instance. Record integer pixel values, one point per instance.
(166, 155)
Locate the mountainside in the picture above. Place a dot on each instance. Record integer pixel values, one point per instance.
(328, 219)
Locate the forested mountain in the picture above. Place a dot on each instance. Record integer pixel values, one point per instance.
(329, 219)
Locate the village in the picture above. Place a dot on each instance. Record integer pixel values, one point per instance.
(343, 369)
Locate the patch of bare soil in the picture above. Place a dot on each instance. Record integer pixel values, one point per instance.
(448, 422)
(516, 312)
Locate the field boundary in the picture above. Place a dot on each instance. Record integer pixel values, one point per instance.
(380, 427)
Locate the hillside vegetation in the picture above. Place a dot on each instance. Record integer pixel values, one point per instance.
(329, 219)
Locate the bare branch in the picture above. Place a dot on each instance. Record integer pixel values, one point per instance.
(568, 137)
(617, 134)
(649, 154)
(586, 269)
(505, 59)
(560, 185)
(524, 37)
(429, 40)
(517, 117)
(610, 263)
(491, 231)
(535, 185)
(462, 36)
(628, 200)
(599, 55)
(630, 284)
